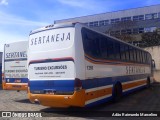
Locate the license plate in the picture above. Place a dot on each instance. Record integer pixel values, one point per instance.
(16, 86)
(49, 91)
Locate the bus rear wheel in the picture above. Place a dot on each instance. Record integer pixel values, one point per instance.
(117, 93)
(148, 82)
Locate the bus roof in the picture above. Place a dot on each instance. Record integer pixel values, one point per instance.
(52, 26)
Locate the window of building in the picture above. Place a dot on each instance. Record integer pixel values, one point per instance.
(91, 24)
(126, 19)
(117, 32)
(114, 21)
(141, 30)
(95, 23)
(150, 29)
(112, 33)
(123, 32)
(85, 24)
(151, 16)
(103, 22)
(141, 17)
(138, 30)
(135, 30)
(138, 17)
(129, 31)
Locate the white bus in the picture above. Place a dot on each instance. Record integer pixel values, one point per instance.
(73, 65)
(14, 66)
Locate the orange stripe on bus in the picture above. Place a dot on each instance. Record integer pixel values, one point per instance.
(134, 84)
(101, 61)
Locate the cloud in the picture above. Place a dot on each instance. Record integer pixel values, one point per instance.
(72, 3)
(151, 2)
(9, 37)
(16, 28)
(3, 2)
(88, 4)
(7, 19)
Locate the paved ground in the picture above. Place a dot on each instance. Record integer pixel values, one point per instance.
(157, 75)
(143, 100)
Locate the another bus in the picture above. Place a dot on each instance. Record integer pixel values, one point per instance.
(73, 65)
(14, 66)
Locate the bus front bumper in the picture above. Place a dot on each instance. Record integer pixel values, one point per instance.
(77, 99)
(15, 86)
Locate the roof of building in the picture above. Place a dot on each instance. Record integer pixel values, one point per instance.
(114, 14)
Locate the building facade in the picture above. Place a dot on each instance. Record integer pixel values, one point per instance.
(127, 25)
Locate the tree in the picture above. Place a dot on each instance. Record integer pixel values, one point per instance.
(150, 39)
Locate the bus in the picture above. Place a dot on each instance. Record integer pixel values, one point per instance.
(14, 66)
(73, 65)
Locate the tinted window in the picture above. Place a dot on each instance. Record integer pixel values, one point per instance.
(110, 49)
(135, 55)
(117, 50)
(131, 53)
(122, 51)
(103, 47)
(91, 43)
(127, 53)
(100, 46)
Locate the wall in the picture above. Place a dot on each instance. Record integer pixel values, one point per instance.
(155, 52)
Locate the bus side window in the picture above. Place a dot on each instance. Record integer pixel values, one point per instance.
(122, 52)
(143, 59)
(91, 43)
(117, 50)
(95, 48)
(138, 56)
(135, 55)
(103, 47)
(86, 44)
(110, 49)
(131, 53)
(127, 52)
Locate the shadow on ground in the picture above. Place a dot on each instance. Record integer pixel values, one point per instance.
(23, 101)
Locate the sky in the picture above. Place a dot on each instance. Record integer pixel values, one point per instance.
(19, 17)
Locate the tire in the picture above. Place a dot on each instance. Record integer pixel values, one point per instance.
(117, 93)
(148, 82)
